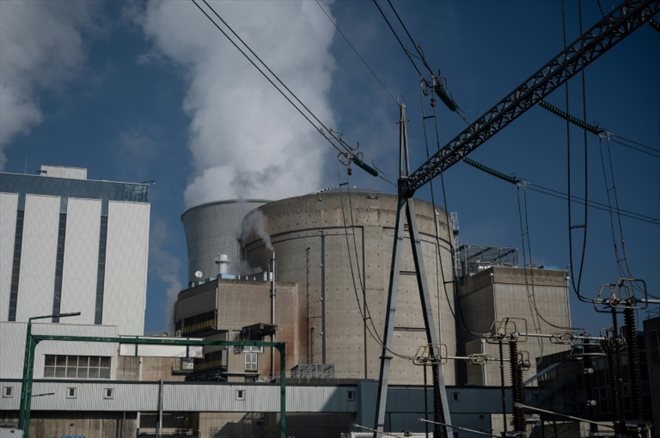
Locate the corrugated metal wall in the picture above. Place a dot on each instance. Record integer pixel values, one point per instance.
(37, 275)
(124, 298)
(8, 204)
(81, 259)
(178, 397)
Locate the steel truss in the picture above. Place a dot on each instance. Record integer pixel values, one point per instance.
(613, 28)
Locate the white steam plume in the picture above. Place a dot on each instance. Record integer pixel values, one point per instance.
(245, 139)
(41, 47)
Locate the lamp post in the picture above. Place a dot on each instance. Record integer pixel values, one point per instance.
(28, 365)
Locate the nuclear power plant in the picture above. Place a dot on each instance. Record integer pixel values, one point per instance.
(332, 254)
(343, 312)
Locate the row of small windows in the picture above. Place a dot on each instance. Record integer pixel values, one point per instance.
(77, 367)
(71, 392)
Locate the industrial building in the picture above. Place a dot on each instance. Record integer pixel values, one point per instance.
(310, 271)
(495, 293)
(69, 244)
(333, 252)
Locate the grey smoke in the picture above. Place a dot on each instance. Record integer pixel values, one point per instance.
(41, 48)
(245, 140)
(254, 224)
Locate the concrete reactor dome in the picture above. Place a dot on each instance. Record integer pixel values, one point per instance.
(337, 247)
(212, 231)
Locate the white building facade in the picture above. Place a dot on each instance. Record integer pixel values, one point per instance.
(69, 244)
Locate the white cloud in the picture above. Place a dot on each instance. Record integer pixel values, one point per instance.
(41, 47)
(245, 139)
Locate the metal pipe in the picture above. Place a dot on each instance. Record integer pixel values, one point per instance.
(281, 348)
(426, 406)
(364, 304)
(159, 425)
(558, 414)
(502, 386)
(28, 368)
(24, 414)
(272, 314)
(309, 342)
(633, 361)
(323, 334)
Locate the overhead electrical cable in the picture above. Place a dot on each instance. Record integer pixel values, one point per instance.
(561, 195)
(527, 264)
(336, 142)
(601, 132)
(570, 227)
(435, 84)
(523, 216)
(618, 239)
(593, 204)
(360, 57)
(396, 35)
(456, 308)
(412, 40)
(439, 268)
(363, 309)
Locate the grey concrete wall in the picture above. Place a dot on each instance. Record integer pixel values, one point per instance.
(357, 233)
(536, 298)
(213, 229)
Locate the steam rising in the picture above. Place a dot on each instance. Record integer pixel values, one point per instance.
(254, 224)
(245, 139)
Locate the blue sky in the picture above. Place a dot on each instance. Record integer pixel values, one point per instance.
(140, 91)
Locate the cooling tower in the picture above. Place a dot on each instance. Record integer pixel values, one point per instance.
(338, 247)
(212, 230)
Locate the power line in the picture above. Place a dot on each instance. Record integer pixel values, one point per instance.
(360, 57)
(570, 226)
(435, 84)
(341, 148)
(561, 195)
(593, 204)
(600, 132)
(415, 45)
(403, 46)
(635, 145)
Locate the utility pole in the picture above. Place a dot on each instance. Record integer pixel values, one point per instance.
(406, 213)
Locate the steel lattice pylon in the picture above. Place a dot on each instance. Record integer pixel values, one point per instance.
(601, 37)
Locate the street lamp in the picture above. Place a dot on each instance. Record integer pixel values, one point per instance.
(26, 386)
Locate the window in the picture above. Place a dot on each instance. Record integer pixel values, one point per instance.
(77, 367)
(253, 349)
(71, 392)
(251, 361)
(108, 393)
(240, 394)
(7, 392)
(350, 395)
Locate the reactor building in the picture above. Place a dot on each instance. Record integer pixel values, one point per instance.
(330, 253)
(333, 255)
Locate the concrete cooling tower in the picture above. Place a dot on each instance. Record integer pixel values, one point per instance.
(212, 230)
(338, 247)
